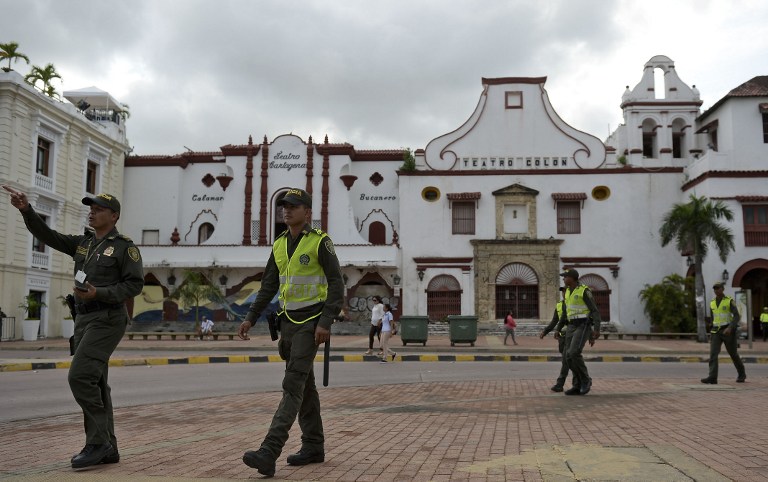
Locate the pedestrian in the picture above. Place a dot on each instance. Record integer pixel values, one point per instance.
(388, 328)
(304, 271)
(725, 321)
(108, 271)
(583, 320)
(509, 327)
(764, 322)
(377, 312)
(560, 312)
(206, 329)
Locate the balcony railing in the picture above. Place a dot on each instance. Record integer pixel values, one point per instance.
(755, 238)
(43, 182)
(41, 260)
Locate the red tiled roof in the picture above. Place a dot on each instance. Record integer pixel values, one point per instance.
(569, 196)
(463, 196)
(751, 199)
(755, 87)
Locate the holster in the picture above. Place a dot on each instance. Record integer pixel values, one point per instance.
(274, 326)
(73, 313)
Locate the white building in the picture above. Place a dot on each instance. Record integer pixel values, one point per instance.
(492, 213)
(57, 153)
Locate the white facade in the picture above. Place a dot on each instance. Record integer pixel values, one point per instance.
(54, 152)
(493, 212)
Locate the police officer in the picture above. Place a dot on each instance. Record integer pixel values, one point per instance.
(583, 325)
(725, 321)
(304, 270)
(108, 271)
(560, 311)
(764, 322)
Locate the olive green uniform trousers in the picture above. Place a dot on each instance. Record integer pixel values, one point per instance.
(730, 342)
(300, 398)
(96, 337)
(576, 336)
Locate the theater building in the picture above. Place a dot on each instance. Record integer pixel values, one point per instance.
(489, 216)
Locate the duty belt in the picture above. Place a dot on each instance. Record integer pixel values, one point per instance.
(93, 306)
(578, 321)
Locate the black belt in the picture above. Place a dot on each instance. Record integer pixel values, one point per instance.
(93, 306)
(577, 321)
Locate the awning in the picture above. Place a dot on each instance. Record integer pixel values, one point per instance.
(708, 127)
(569, 196)
(463, 196)
(95, 97)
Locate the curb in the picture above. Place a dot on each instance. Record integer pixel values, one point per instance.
(194, 360)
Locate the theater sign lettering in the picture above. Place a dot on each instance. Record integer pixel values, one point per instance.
(514, 162)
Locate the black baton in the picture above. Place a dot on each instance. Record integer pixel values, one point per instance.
(326, 362)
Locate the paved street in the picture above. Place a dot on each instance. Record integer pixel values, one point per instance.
(419, 420)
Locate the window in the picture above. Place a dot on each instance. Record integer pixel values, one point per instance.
(443, 297)
(91, 176)
(37, 245)
(204, 232)
(430, 194)
(150, 236)
(517, 291)
(765, 127)
(463, 213)
(43, 157)
(568, 217)
(377, 233)
(755, 225)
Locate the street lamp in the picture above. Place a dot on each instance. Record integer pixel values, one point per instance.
(421, 274)
(688, 261)
(396, 280)
(725, 275)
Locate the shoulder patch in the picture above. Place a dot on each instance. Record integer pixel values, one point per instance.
(329, 246)
(133, 253)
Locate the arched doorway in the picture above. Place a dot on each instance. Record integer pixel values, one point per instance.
(377, 233)
(517, 290)
(443, 297)
(753, 275)
(601, 292)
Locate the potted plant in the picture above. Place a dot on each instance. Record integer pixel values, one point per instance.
(31, 324)
(67, 324)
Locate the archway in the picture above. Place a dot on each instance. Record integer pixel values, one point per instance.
(753, 275)
(443, 297)
(517, 290)
(601, 292)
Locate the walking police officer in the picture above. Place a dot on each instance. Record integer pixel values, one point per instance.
(304, 270)
(583, 325)
(725, 322)
(764, 322)
(560, 312)
(108, 271)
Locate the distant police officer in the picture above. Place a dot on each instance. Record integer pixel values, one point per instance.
(560, 312)
(725, 321)
(764, 322)
(304, 270)
(108, 271)
(583, 325)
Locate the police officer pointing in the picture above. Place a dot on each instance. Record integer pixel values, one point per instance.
(108, 271)
(304, 270)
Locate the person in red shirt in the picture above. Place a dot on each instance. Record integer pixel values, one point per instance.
(509, 327)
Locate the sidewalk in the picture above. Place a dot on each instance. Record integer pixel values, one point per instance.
(53, 353)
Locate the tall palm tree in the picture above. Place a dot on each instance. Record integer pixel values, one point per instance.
(9, 51)
(45, 75)
(694, 226)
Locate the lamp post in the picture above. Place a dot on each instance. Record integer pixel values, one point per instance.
(725, 275)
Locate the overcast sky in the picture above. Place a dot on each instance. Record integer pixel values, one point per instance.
(377, 74)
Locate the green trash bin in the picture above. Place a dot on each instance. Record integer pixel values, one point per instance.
(462, 329)
(413, 329)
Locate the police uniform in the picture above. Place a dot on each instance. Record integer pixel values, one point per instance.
(583, 324)
(764, 323)
(725, 314)
(112, 265)
(305, 273)
(559, 312)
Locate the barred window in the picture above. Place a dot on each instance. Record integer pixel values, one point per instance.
(568, 217)
(463, 213)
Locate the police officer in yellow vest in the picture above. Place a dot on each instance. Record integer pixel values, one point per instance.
(560, 311)
(725, 321)
(764, 322)
(304, 270)
(583, 325)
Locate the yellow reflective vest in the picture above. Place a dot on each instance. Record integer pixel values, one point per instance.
(302, 279)
(763, 317)
(576, 306)
(721, 315)
(559, 307)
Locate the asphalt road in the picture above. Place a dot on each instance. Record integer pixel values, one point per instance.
(34, 394)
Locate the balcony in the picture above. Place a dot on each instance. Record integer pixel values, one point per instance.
(43, 182)
(41, 260)
(755, 238)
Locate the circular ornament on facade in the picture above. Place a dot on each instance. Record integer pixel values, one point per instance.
(601, 193)
(430, 193)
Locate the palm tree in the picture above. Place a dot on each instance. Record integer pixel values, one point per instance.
(45, 75)
(196, 290)
(9, 51)
(694, 226)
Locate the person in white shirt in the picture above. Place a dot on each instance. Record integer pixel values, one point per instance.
(388, 328)
(206, 329)
(377, 312)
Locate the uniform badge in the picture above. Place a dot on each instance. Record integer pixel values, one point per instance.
(329, 246)
(109, 251)
(133, 252)
(304, 259)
